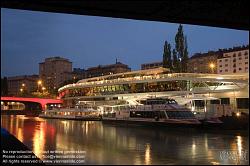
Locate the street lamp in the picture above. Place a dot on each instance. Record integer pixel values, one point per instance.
(39, 82)
(21, 91)
(212, 66)
(43, 88)
(22, 87)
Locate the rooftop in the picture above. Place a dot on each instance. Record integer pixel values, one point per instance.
(108, 66)
(155, 75)
(56, 58)
(219, 52)
(159, 62)
(34, 76)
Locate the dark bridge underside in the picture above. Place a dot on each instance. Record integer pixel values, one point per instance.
(31, 108)
(227, 14)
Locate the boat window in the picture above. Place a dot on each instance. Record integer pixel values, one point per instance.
(225, 100)
(242, 103)
(162, 114)
(173, 101)
(147, 114)
(109, 114)
(215, 102)
(199, 103)
(132, 107)
(158, 101)
(180, 114)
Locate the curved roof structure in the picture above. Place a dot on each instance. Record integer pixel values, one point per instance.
(156, 75)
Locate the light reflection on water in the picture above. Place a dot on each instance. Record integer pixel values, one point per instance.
(109, 144)
(147, 154)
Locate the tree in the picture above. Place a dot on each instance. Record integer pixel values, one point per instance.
(181, 49)
(167, 59)
(185, 56)
(176, 64)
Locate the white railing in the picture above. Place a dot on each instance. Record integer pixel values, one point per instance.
(145, 107)
(184, 76)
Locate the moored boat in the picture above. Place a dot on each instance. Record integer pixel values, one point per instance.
(154, 111)
(78, 113)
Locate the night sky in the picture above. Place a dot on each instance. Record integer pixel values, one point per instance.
(28, 37)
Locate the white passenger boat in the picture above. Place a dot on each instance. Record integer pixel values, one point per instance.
(77, 113)
(161, 111)
(209, 110)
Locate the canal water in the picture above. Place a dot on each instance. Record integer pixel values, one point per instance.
(112, 144)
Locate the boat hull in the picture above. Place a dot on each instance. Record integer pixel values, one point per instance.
(72, 118)
(149, 123)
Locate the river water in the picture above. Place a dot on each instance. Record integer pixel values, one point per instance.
(112, 144)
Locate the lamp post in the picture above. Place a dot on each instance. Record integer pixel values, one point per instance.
(21, 91)
(212, 66)
(39, 82)
(22, 87)
(43, 88)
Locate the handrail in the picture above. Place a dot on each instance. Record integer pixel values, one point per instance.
(146, 107)
(162, 76)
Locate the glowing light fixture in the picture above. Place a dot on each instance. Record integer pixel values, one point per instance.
(219, 78)
(39, 82)
(211, 65)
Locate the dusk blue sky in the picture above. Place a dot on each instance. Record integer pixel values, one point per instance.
(28, 37)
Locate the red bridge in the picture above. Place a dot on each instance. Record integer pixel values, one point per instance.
(21, 105)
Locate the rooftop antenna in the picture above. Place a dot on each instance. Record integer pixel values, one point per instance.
(116, 60)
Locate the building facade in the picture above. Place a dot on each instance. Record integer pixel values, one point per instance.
(55, 71)
(153, 65)
(101, 70)
(234, 60)
(79, 74)
(22, 84)
(203, 62)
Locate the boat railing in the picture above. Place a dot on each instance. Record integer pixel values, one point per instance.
(82, 109)
(152, 107)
